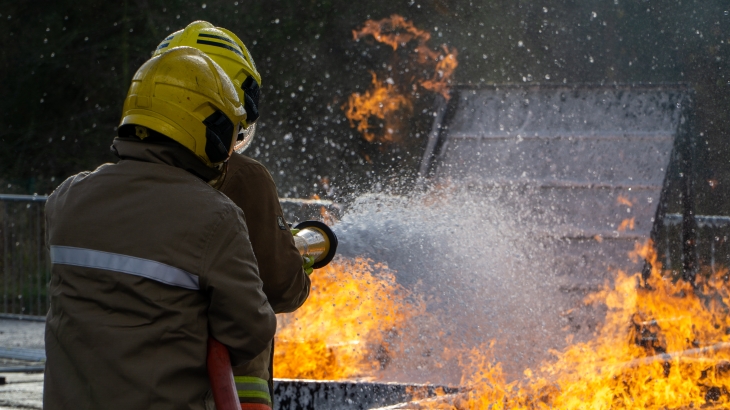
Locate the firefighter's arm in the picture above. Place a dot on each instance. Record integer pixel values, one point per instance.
(280, 265)
(239, 314)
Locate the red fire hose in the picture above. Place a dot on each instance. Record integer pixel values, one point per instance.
(221, 377)
(313, 239)
(222, 384)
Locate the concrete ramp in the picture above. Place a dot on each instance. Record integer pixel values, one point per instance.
(571, 163)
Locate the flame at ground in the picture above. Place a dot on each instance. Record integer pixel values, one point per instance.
(349, 325)
(664, 345)
(384, 100)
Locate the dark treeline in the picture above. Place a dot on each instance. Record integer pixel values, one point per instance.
(66, 66)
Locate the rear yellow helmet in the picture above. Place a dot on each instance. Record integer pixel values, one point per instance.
(184, 95)
(226, 49)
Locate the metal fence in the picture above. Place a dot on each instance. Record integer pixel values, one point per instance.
(24, 261)
(709, 247)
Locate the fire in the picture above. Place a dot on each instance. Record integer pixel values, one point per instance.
(626, 224)
(665, 344)
(386, 31)
(622, 200)
(385, 99)
(349, 325)
(445, 68)
(382, 101)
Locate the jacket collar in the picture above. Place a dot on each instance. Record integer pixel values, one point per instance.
(162, 152)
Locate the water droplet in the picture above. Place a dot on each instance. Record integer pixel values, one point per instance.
(204, 5)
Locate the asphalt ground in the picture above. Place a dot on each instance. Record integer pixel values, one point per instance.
(21, 390)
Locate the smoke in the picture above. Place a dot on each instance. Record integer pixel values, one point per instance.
(481, 272)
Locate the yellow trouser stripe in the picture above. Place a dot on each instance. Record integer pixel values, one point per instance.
(252, 387)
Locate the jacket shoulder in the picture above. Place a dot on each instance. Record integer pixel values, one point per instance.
(64, 186)
(243, 170)
(240, 163)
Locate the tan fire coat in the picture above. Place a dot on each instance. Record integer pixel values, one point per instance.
(148, 262)
(250, 186)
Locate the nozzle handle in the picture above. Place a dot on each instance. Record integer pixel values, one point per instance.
(327, 232)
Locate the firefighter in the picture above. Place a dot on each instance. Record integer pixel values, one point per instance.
(148, 259)
(250, 186)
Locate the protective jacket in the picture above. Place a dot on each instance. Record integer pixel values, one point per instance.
(250, 186)
(148, 261)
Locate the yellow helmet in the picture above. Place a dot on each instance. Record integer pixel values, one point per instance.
(226, 49)
(184, 95)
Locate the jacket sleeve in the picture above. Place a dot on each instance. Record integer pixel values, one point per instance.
(239, 314)
(280, 266)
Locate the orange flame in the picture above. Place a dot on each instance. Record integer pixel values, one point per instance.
(664, 345)
(622, 200)
(382, 101)
(348, 326)
(386, 31)
(445, 68)
(396, 32)
(626, 224)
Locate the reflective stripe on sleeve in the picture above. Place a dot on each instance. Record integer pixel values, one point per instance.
(252, 387)
(157, 271)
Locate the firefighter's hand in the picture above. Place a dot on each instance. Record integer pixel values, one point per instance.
(307, 263)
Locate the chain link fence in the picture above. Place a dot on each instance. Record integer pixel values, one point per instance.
(24, 261)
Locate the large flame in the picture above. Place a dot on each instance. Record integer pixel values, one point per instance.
(384, 100)
(349, 325)
(664, 345)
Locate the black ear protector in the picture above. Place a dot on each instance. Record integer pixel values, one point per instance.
(218, 136)
(252, 91)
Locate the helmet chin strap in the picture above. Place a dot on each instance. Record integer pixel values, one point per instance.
(244, 139)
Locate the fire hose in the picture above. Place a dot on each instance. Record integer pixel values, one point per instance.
(315, 241)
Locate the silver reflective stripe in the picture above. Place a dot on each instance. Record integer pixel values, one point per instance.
(88, 258)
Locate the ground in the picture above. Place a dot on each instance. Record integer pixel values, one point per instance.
(21, 390)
